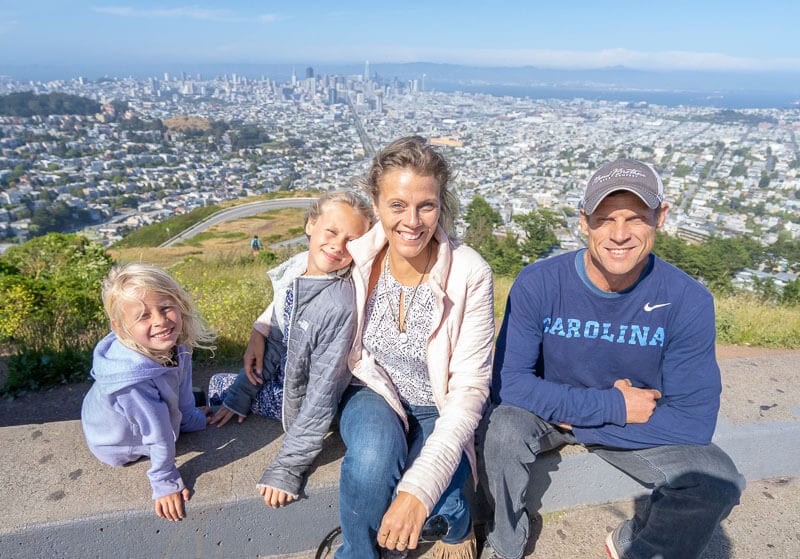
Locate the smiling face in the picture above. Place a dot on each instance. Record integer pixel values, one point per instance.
(152, 321)
(328, 236)
(621, 233)
(408, 207)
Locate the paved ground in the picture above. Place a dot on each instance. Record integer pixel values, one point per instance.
(60, 502)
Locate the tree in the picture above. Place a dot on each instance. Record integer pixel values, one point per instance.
(791, 293)
(715, 262)
(502, 252)
(538, 228)
(481, 221)
(248, 136)
(57, 217)
(506, 258)
(671, 249)
(479, 210)
(27, 103)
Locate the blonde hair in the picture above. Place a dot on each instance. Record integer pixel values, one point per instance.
(128, 283)
(417, 154)
(351, 198)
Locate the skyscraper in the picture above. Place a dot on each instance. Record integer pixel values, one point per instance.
(366, 71)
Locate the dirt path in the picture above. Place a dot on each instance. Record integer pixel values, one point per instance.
(739, 351)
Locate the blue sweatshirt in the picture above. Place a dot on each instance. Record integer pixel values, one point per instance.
(564, 343)
(137, 407)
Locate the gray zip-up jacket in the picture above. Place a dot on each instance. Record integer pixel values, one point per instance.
(321, 330)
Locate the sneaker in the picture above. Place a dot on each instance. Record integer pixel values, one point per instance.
(611, 545)
(393, 553)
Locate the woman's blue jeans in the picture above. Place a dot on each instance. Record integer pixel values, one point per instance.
(378, 452)
(694, 487)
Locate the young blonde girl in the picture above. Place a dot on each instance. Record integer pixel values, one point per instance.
(142, 397)
(295, 365)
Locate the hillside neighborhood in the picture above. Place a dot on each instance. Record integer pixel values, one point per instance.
(139, 158)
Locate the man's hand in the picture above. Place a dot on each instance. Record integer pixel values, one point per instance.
(254, 358)
(171, 506)
(639, 402)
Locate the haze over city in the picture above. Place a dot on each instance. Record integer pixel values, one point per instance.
(119, 38)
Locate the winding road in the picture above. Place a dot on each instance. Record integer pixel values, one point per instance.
(238, 212)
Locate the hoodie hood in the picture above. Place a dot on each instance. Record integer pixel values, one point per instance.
(116, 366)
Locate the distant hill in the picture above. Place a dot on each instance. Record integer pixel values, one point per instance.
(610, 77)
(27, 103)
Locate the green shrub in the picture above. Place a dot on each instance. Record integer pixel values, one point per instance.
(51, 313)
(51, 293)
(156, 233)
(32, 370)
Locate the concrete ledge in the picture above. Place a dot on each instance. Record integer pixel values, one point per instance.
(61, 502)
(64, 503)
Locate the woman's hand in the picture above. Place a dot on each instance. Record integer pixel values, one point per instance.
(402, 523)
(171, 506)
(254, 358)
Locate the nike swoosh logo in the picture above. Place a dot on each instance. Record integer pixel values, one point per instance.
(648, 307)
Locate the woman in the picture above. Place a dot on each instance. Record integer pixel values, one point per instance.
(421, 363)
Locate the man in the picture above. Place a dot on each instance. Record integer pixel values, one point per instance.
(612, 348)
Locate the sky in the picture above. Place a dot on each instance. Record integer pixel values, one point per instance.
(731, 35)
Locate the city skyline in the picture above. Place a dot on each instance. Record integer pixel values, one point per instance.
(712, 36)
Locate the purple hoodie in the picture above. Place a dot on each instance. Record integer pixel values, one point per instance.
(136, 408)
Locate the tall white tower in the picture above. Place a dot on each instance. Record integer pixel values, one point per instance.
(366, 71)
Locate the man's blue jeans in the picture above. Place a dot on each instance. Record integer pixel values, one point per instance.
(378, 451)
(694, 487)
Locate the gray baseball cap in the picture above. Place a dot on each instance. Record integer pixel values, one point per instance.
(623, 174)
